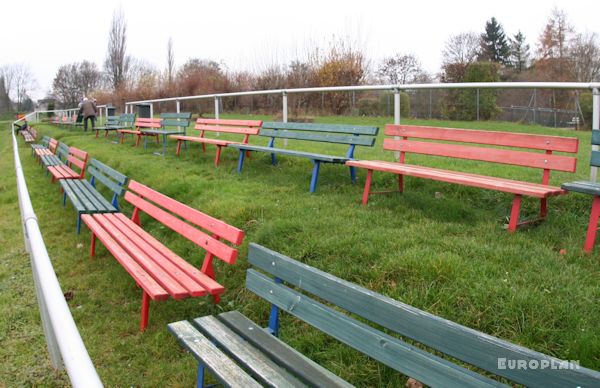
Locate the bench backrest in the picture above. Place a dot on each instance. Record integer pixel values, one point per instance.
(242, 127)
(127, 119)
(53, 145)
(109, 177)
(452, 339)
(78, 158)
(33, 132)
(111, 120)
(151, 123)
(180, 121)
(62, 151)
(546, 161)
(200, 228)
(45, 141)
(351, 135)
(595, 158)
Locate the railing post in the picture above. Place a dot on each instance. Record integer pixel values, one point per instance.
(217, 111)
(178, 106)
(595, 126)
(397, 116)
(151, 110)
(477, 104)
(284, 115)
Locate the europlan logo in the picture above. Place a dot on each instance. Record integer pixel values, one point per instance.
(533, 364)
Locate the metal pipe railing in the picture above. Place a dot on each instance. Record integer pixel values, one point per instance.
(65, 345)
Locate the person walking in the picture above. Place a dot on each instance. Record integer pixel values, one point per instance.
(88, 110)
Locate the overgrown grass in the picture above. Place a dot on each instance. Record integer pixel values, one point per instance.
(438, 247)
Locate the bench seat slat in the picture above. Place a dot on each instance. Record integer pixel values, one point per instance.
(467, 179)
(227, 129)
(152, 288)
(63, 172)
(50, 160)
(585, 187)
(319, 137)
(334, 128)
(285, 151)
(310, 372)
(410, 360)
(230, 122)
(85, 198)
(198, 276)
(207, 353)
(206, 140)
(263, 368)
(166, 262)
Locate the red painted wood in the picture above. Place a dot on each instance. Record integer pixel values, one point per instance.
(218, 156)
(148, 123)
(203, 140)
(213, 225)
(495, 155)
(543, 207)
(365, 198)
(203, 240)
(63, 172)
(142, 278)
(592, 229)
(228, 129)
(145, 311)
(467, 179)
(232, 122)
(508, 139)
(514, 213)
(207, 283)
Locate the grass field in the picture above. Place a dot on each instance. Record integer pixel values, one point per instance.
(438, 247)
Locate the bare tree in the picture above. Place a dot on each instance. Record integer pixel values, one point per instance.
(170, 63)
(554, 40)
(400, 69)
(88, 77)
(117, 63)
(585, 54)
(461, 49)
(24, 82)
(65, 86)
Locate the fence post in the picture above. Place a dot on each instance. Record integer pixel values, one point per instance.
(477, 104)
(595, 126)
(284, 113)
(178, 106)
(151, 110)
(397, 116)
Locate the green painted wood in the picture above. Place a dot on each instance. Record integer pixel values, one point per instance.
(308, 371)
(161, 131)
(325, 138)
(285, 151)
(108, 176)
(224, 369)
(175, 123)
(62, 150)
(458, 341)
(127, 119)
(50, 160)
(334, 128)
(585, 187)
(257, 363)
(100, 203)
(111, 172)
(173, 115)
(75, 201)
(393, 352)
(595, 158)
(596, 137)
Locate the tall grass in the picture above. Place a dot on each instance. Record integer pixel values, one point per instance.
(438, 247)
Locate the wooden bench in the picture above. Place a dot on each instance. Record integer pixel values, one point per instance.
(593, 189)
(114, 123)
(47, 150)
(29, 134)
(171, 124)
(140, 125)
(61, 152)
(84, 196)
(41, 145)
(546, 161)
(351, 135)
(156, 269)
(75, 158)
(234, 127)
(240, 353)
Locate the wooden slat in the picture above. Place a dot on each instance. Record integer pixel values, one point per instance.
(393, 352)
(497, 138)
(334, 128)
(79, 204)
(326, 138)
(228, 129)
(203, 240)
(198, 276)
(90, 200)
(595, 158)
(175, 123)
(115, 187)
(260, 366)
(458, 341)
(285, 151)
(205, 140)
(224, 369)
(212, 224)
(154, 290)
(307, 370)
(226, 122)
(175, 115)
(494, 155)
(586, 187)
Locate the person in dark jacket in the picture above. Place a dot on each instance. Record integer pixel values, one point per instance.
(89, 111)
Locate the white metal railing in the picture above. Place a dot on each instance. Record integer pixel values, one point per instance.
(65, 345)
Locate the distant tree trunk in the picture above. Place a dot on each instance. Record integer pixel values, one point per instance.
(117, 62)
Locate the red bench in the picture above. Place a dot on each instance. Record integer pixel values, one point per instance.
(240, 127)
(75, 158)
(50, 150)
(140, 125)
(546, 161)
(156, 269)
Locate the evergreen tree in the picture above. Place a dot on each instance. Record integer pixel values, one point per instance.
(519, 52)
(494, 47)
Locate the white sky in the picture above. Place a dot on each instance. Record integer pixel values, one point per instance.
(251, 35)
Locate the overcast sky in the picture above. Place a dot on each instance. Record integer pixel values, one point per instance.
(251, 35)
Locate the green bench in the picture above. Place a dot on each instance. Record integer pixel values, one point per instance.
(170, 124)
(240, 353)
(56, 159)
(85, 197)
(113, 123)
(350, 135)
(590, 188)
(43, 144)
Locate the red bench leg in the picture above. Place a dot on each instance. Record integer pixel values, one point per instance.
(203, 147)
(93, 246)
(122, 137)
(218, 156)
(178, 147)
(543, 207)
(145, 308)
(590, 237)
(137, 140)
(514, 214)
(97, 133)
(365, 198)
(401, 183)
(208, 269)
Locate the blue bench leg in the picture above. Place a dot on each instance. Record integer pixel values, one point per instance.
(200, 381)
(273, 159)
(65, 199)
(274, 316)
(353, 174)
(78, 223)
(241, 161)
(315, 176)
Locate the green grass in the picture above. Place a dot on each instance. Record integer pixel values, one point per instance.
(445, 253)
